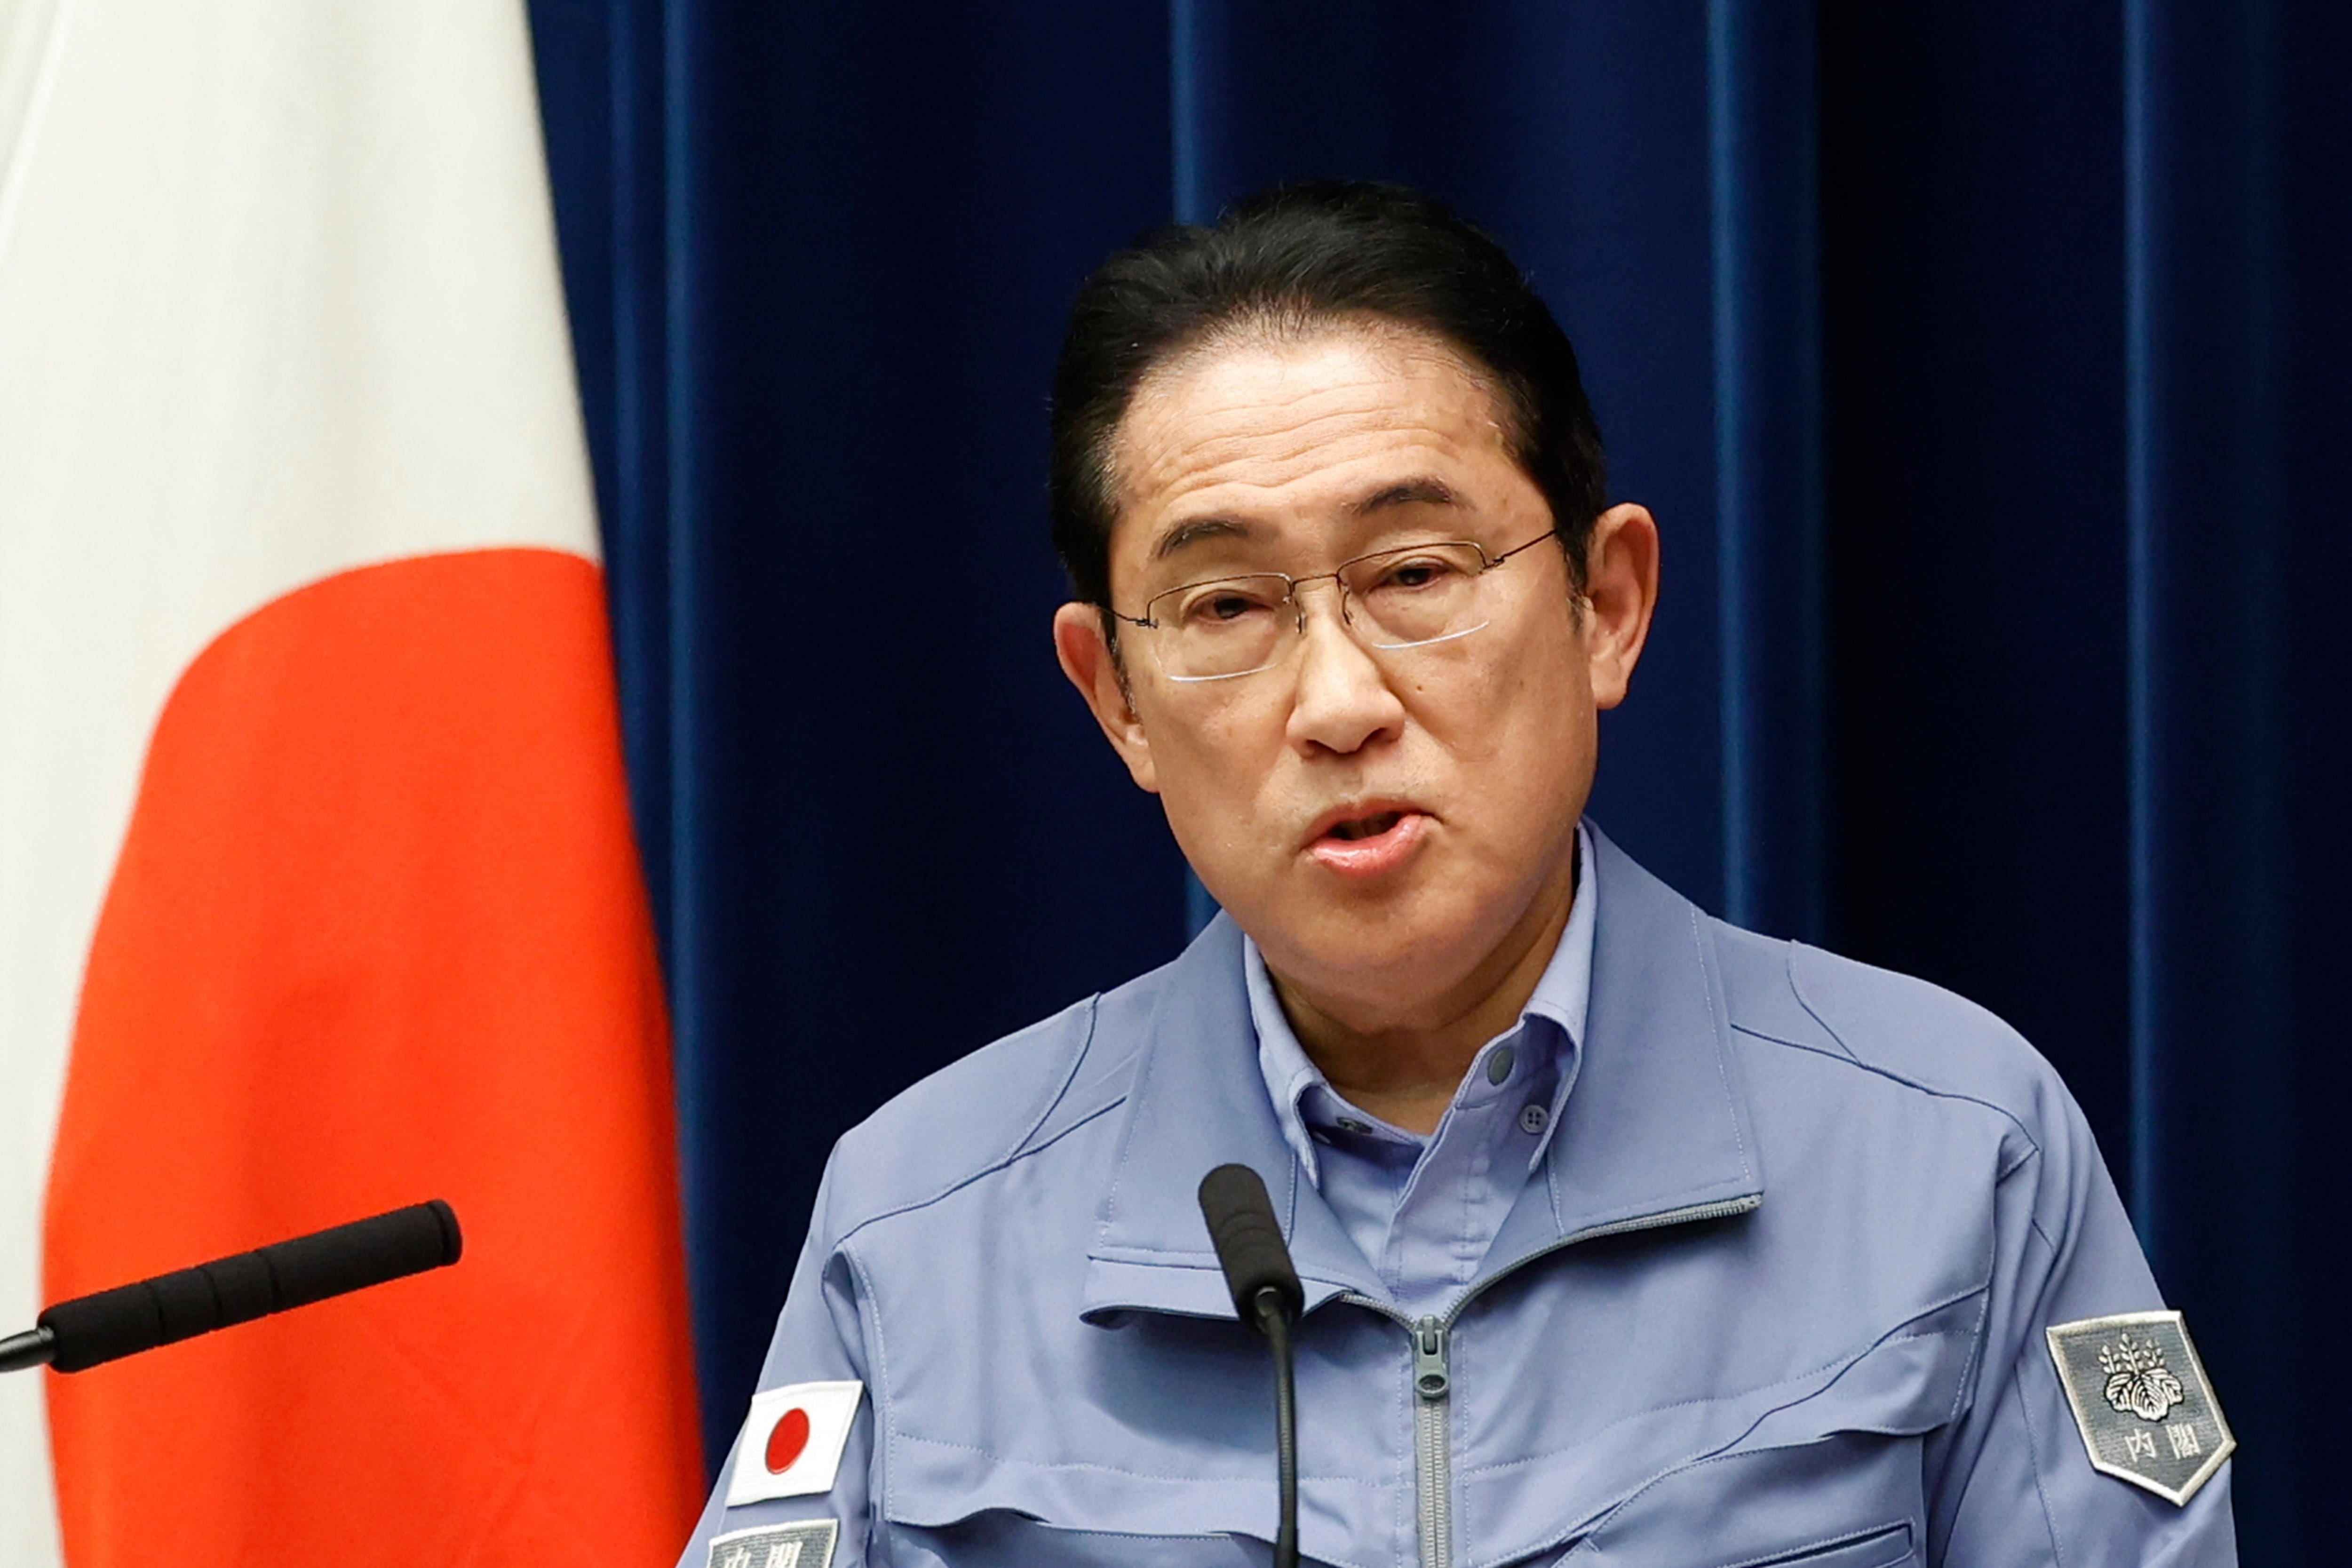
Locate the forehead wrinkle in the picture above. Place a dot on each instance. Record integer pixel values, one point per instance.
(1421, 490)
(1274, 456)
(1330, 477)
(1291, 376)
(1272, 414)
(1310, 444)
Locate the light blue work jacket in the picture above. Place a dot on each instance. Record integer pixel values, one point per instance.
(1776, 1296)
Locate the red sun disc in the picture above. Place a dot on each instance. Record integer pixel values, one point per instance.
(789, 1439)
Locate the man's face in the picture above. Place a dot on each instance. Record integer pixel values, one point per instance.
(1381, 822)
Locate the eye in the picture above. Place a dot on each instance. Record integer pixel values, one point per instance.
(1214, 606)
(1414, 573)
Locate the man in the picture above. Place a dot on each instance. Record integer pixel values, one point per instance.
(1626, 1236)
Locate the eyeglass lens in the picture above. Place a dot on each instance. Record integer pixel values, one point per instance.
(1399, 598)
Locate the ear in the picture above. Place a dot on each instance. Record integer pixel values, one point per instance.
(1621, 581)
(1087, 660)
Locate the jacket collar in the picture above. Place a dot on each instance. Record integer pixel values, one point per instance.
(1656, 1128)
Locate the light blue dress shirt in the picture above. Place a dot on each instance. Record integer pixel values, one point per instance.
(1423, 1211)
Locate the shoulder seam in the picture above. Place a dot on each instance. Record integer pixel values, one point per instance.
(1054, 1103)
(1797, 989)
(953, 1188)
(1847, 1059)
(1854, 1059)
(1019, 1145)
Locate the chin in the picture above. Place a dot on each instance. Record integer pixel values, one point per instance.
(1387, 946)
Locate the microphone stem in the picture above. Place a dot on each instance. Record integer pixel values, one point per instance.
(1275, 1321)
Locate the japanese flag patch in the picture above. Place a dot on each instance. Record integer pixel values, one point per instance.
(808, 1544)
(791, 1443)
(2141, 1401)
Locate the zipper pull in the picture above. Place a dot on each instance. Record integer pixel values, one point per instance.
(1431, 1378)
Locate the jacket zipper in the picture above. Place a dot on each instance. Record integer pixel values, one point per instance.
(1432, 1372)
(1432, 1455)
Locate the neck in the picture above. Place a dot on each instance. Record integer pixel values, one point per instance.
(1406, 1073)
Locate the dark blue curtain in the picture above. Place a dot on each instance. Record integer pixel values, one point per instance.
(1984, 362)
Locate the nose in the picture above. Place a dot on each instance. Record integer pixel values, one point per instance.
(1343, 702)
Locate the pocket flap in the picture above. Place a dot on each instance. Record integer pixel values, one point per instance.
(1906, 1383)
(934, 1485)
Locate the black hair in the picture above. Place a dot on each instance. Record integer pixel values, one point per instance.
(1289, 259)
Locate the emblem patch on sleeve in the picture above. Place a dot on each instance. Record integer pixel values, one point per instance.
(2141, 1401)
(791, 1443)
(808, 1544)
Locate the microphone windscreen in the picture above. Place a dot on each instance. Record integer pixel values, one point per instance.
(1248, 1240)
(177, 1306)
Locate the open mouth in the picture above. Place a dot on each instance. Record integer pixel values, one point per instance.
(1372, 841)
(1371, 826)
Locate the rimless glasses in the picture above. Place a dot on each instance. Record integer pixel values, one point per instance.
(1410, 596)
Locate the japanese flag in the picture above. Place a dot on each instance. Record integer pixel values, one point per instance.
(317, 890)
(793, 1441)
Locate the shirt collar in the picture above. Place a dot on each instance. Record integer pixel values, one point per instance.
(1562, 995)
(1660, 1119)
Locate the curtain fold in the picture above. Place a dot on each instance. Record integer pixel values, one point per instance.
(2238, 244)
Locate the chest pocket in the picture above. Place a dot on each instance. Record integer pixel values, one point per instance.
(1851, 1500)
(999, 1538)
(953, 1507)
(1888, 1548)
(1833, 1481)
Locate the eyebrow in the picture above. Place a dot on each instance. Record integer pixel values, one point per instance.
(1185, 534)
(1420, 490)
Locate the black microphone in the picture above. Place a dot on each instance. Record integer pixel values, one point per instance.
(78, 1335)
(1266, 1293)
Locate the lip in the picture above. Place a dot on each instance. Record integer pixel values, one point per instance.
(1362, 857)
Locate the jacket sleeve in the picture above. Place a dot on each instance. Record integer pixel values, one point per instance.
(2011, 1482)
(818, 1339)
